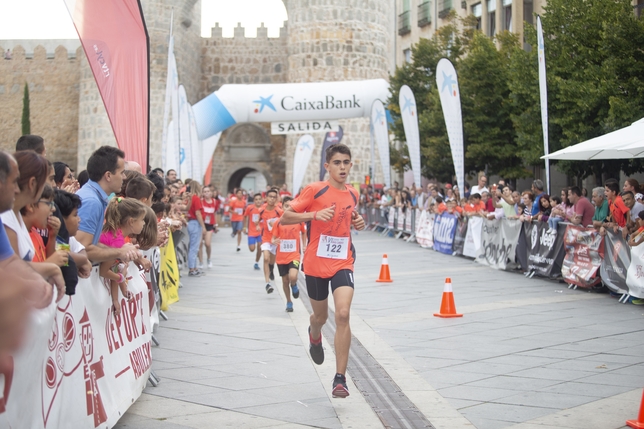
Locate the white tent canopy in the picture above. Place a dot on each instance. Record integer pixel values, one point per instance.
(624, 143)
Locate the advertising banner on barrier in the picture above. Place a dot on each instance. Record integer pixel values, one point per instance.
(584, 249)
(82, 366)
(635, 273)
(391, 218)
(473, 237)
(169, 275)
(152, 279)
(444, 229)
(545, 250)
(499, 239)
(409, 221)
(459, 236)
(400, 220)
(425, 229)
(617, 259)
(409, 116)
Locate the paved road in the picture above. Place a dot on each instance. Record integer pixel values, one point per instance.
(528, 353)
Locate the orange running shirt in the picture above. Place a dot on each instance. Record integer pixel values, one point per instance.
(267, 219)
(329, 247)
(288, 250)
(237, 208)
(252, 213)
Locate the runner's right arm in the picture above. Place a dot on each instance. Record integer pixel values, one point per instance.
(290, 217)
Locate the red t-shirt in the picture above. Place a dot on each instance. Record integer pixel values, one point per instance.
(618, 211)
(288, 250)
(39, 246)
(195, 206)
(252, 213)
(441, 208)
(237, 208)
(209, 210)
(586, 209)
(267, 219)
(330, 248)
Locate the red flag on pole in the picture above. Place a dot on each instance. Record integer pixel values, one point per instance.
(116, 44)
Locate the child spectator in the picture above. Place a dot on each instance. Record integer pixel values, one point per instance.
(557, 211)
(123, 217)
(37, 216)
(140, 188)
(544, 208)
(68, 205)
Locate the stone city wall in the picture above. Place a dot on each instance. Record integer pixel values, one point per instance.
(53, 79)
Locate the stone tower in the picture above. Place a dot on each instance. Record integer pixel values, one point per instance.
(337, 40)
(94, 126)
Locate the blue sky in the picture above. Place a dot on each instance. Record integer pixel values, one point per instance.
(49, 19)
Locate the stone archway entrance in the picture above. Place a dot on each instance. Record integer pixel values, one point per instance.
(249, 179)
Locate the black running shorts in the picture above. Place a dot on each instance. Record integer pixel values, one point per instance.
(318, 288)
(285, 268)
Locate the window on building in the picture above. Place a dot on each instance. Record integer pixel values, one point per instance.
(639, 8)
(507, 15)
(407, 55)
(491, 16)
(477, 11)
(406, 5)
(404, 19)
(424, 13)
(527, 11)
(444, 6)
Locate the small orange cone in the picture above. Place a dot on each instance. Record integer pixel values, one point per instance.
(385, 277)
(639, 423)
(448, 308)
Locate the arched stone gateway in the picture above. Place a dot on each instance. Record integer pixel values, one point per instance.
(248, 157)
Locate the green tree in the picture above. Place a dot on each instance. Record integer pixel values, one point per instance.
(26, 122)
(595, 66)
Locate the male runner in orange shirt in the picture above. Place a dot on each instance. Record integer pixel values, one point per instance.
(287, 239)
(251, 227)
(329, 208)
(268, 215)
(237, 207)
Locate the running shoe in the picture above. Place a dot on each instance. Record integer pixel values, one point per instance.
(289, 307)
(316, 349)
(195, 273)
(271, 276)
(239, 249)
(295, 291)
(269, 288)
(256, 266)
(638, 301)
(209, 264)
(200, 266)
(340, 389)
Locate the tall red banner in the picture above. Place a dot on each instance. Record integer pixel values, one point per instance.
(115, 41)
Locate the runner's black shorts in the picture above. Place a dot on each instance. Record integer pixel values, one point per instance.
(285, 268)
(209, 227)
(318, 288)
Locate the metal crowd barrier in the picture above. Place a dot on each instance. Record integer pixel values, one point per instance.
(392, 221)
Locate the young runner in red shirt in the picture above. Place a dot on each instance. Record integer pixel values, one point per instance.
(210, 207)
(330, 209)
(287, 239)
(237, 207)
(251, 227)
(268, 215)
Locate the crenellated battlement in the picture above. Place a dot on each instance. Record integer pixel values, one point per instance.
(216, 32)
(40, 49)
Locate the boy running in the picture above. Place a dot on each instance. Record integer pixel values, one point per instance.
(237, 207)
(287, 239)
(268, 215)
(329, 208)
(251, 227)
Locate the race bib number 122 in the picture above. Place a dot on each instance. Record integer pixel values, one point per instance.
(333, 247)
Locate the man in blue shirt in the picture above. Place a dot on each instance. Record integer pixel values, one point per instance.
(537, 190)
(105, 168)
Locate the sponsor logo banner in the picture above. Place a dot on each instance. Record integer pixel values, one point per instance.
(584, 254)
(635, 273)
(82, 366)
(460, 236)
(617, 259)
(304, 127)
(499, 239)
(169, 275)
(444, 229)
(544, 248)
(473, 237)
(424, 228)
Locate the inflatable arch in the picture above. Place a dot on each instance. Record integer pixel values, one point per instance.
(233, 104)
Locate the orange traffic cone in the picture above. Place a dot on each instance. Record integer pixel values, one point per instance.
(448, 308)
(639, 423)
(385, 277)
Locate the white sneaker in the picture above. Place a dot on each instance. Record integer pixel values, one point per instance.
(200, 266)
(209, 264)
